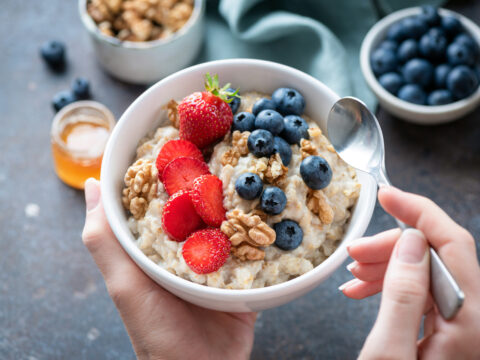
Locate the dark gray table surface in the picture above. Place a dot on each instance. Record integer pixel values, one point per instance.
(53, 303)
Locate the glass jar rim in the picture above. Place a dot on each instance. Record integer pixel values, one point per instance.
(70, 109)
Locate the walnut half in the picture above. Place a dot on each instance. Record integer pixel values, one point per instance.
(247, 231)
(140, 187)
(317, 203)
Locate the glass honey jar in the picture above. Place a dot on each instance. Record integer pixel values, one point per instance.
(78, 137)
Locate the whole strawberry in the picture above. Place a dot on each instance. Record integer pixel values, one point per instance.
(206, 116)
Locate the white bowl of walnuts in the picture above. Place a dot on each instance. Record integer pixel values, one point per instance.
(141, 41)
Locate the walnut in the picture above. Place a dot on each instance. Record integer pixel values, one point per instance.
(246, 252)
(239, 141)
(98, 11)
(318, 204)
(105, 28)
(314, 132)
(259, 166)
(172, 113)
(276, 172)
(178, 15)
(307, 148)
(139, 6)
(239, 148)
(230, 157)
(113, 5)
(140, 187)
(247, 229)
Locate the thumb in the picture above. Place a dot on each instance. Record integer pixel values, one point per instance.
(405, 292)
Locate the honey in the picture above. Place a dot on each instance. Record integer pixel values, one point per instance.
(79, 134)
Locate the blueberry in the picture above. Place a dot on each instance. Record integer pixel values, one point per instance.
(451, 25)
(412, 93)
(439, 97)
(396, 32)
(407, 50)
(249, 186)
(433, 45)
(418, 71)
(460, 54)
(273, 200)
(53, 52)
(270, 120)
(413, 27)
(315, 172)
(260, 143)
(462, 82)
(289, 234)
(441, 73)
(391, 82)
(81, 88)
(62, 99)
(388, 45)
(283, 148)
(383, 61)
(430, 15)
(243, 121)
(235, 103)
(263, 104)
(295, 129)
(468, 41)
(288, 101)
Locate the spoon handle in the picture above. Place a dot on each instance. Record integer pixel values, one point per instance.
(447, 294)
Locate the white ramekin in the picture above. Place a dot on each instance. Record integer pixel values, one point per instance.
(149, 61)
(146, 113)
(419, 114)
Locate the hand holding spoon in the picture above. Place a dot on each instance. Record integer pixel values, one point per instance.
(357, 137)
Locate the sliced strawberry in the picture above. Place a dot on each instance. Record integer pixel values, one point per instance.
(206, 250)
(179, 218)
(207, 198)
(180, 173)
(174, 149)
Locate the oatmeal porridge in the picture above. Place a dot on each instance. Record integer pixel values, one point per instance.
(257, 256)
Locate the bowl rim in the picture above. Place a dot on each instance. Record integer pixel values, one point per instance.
(372, 38)
(109, 195)
(92, 28)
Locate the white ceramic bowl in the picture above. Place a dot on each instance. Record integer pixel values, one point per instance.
(146, 113)
(420, 114)
(149, 61)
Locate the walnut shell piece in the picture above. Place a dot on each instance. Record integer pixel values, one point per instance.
(141, 186)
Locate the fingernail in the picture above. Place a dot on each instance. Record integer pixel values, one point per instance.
(92, 193)
(356, 242)
(351, 266)
(411, 246)
(347, 284)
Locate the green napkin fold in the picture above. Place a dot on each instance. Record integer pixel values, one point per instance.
(319, 37)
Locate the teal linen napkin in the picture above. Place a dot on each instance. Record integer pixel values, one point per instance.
(319, 37)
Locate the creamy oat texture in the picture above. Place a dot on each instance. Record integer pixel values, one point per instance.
(319, 241)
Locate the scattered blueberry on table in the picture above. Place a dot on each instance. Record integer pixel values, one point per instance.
(427, 59)
(62, 99)
(81, 88)
(53, 52)
(289, 235)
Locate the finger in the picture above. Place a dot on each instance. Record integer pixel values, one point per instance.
(374, 249)
(368, 272)
(405, 292)
(357, 289)
(450, 240)
(118, 270)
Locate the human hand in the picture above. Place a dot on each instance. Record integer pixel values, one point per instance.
(160, 325)
(399, 263)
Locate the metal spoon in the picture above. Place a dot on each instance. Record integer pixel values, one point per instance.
(357, 137)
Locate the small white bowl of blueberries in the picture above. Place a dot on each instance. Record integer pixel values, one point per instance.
(423, 64)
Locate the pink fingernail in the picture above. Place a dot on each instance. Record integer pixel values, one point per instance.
(411, 246)
(351, 266)
(347, 284)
